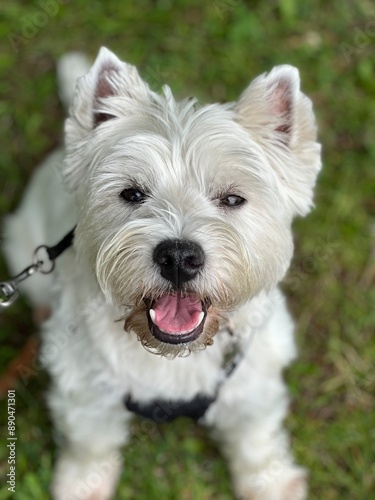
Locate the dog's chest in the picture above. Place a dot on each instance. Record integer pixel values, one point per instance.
(149, 376)
(145, 376)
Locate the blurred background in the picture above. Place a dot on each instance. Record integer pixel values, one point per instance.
(212, 50)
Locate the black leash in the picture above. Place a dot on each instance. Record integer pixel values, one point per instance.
(43, 262)
(57, 250)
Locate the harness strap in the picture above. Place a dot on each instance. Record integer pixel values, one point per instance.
(161, 410)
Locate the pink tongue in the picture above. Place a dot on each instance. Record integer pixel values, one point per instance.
(176, 314)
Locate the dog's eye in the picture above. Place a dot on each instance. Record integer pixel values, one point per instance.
(232, 200)
(133, 195)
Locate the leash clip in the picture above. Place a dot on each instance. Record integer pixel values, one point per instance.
(43, 262)
(9, 289)
(8, 294)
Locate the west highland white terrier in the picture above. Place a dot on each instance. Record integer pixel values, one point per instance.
(167, 302)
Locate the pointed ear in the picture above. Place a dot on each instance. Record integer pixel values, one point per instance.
(270, 102)
(108, 78)
(110, 90)
(105, 74)
(280, 118)
(115, 78)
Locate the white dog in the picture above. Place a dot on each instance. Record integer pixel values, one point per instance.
(167, 303)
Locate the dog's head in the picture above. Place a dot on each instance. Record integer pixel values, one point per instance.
(185, 211)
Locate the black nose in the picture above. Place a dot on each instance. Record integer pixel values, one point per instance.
(179, 260)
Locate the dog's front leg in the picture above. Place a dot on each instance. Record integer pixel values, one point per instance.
(90, 461)
(247, 421)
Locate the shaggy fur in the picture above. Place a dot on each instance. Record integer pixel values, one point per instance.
(189, 162)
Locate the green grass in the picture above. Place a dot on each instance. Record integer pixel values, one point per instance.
(213, 51)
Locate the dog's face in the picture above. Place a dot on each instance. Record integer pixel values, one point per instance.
(185, 211)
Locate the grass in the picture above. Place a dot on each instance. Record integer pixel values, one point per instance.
(212, 50)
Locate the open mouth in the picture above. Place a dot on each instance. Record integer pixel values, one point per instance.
(176, 318)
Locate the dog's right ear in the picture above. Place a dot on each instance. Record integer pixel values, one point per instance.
(105, 79)
(109, 89)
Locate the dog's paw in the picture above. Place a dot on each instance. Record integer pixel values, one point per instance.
(287, 483)
(76, 479)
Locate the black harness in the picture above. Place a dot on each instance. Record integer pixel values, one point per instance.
(161, 410)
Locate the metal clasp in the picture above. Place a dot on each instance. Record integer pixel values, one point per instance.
(9, 289)
(8, 294)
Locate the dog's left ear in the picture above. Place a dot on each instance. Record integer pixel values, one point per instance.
(280, 118)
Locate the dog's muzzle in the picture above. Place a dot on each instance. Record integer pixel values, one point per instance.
(178, 317)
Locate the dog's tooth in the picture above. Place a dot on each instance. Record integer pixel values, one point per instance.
(152, 315)
(200, 318)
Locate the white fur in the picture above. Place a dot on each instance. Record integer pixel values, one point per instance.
(262, 148)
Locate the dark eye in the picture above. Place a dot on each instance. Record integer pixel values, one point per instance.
(232, 200)
(133, 195)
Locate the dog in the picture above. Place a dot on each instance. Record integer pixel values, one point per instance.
(167, 303)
